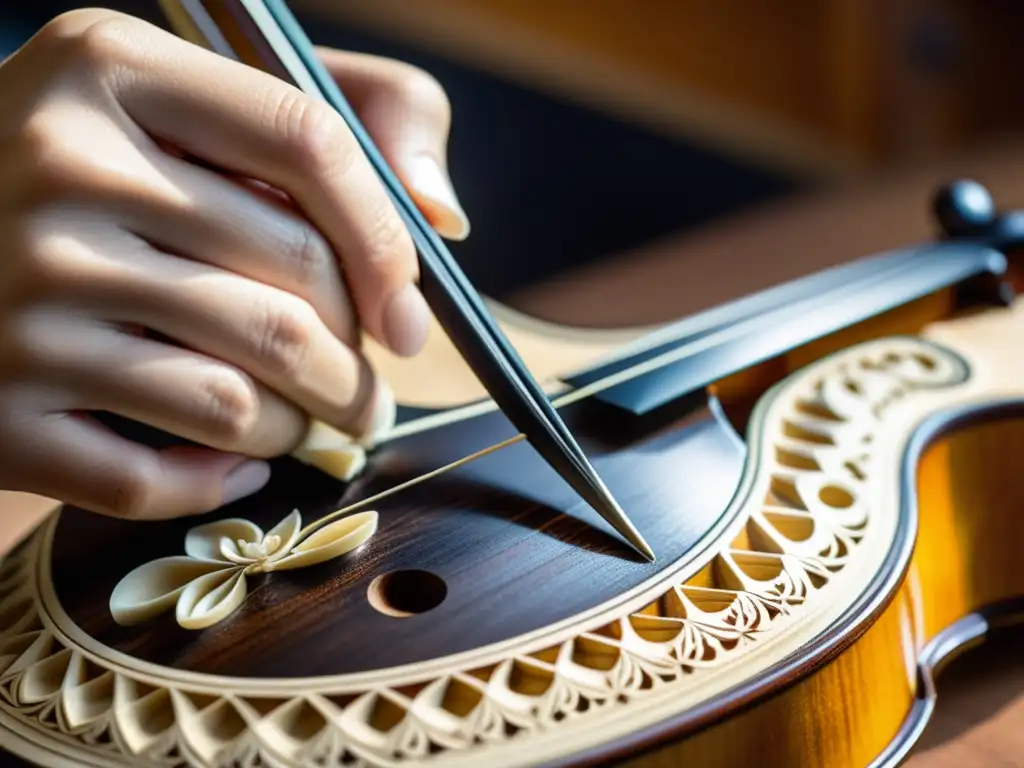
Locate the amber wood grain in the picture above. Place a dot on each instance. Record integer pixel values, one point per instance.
(970, 471)
(813, 706)
(847, 710)
(969, 487)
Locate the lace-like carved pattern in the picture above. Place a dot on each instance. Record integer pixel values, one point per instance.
(804, 516)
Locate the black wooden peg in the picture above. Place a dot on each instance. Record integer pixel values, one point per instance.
(965, 211)
(964, 208)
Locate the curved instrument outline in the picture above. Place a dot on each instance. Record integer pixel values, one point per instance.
(872, 599)
(854, 623)
(695, 351)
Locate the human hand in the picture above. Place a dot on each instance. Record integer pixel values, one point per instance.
(146, 183)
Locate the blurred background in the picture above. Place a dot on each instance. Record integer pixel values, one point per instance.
(630, 161)
(592, 134)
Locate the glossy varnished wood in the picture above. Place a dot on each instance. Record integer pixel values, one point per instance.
(847, 696)
(809, 706)
(863, 706)
(517, 550)
(849, 708)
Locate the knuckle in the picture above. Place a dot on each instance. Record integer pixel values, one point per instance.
(89, 39)
(391, 254)
(20, 344)
(71, 23)
(46, 163)
(230, 406)
(43, 257)
(283, 337)
(41, 140)
(316, 135)
(63, 30)
(49, 167)
(105, 43)
(423, 93)
(130, 493)
(309, 257)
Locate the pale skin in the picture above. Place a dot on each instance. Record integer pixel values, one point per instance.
(197, 246)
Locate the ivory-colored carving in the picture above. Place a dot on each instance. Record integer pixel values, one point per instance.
(818, 504)
(331, 451)
(208, 583)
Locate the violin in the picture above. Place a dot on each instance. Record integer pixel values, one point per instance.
(824, 469)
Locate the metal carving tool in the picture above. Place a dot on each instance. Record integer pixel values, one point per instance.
(274, 41)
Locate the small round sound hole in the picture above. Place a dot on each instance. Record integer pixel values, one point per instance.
(401, 594)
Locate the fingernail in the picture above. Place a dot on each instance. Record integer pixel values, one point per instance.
(245, 481)
(384, 412)
(437, 194)
(406, 321)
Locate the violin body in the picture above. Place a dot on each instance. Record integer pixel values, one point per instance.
(831, 522)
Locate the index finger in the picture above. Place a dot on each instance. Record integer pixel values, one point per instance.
(254, 124)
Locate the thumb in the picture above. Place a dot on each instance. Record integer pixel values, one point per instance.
(407, 113)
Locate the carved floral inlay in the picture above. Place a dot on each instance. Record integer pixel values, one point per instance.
(797, 529)
(207, 584)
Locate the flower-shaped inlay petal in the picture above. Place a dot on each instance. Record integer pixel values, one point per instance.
(208, 583)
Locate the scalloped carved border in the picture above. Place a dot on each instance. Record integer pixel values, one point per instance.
(810, 528)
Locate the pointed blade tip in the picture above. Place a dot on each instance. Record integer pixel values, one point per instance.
(627, 530)
(601, 499)
(641, 546)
